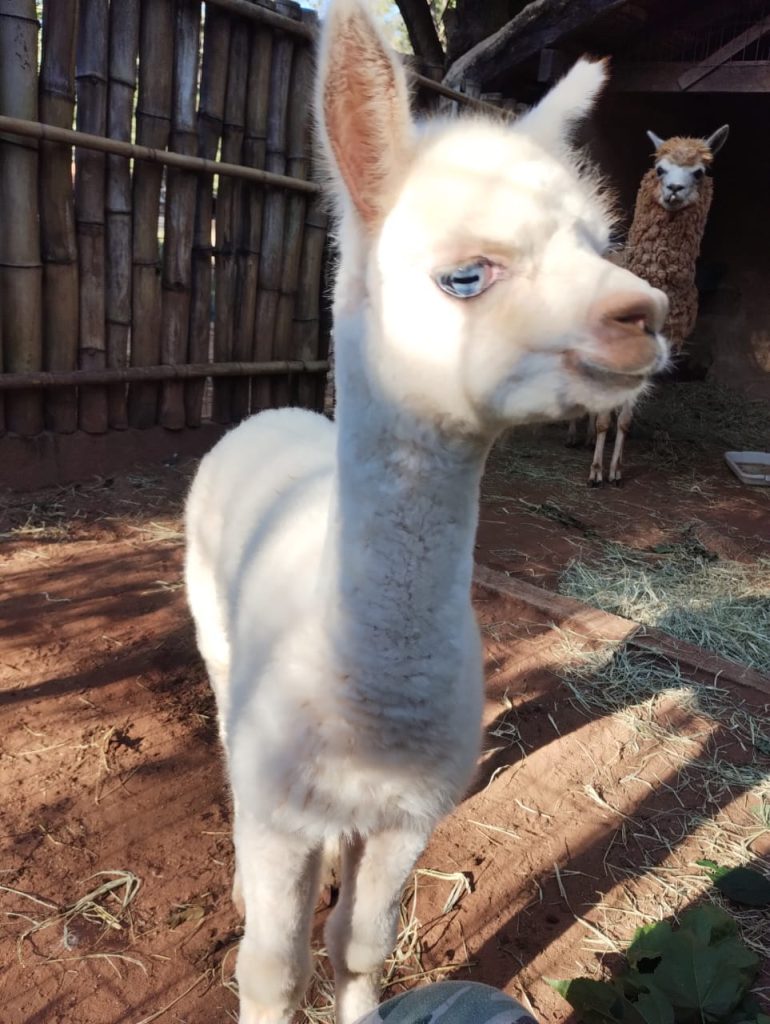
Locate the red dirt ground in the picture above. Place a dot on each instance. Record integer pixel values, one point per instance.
(581, 825)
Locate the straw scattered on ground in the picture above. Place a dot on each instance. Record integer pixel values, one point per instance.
(719, 604)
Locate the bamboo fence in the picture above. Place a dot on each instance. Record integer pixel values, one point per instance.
(163, 257)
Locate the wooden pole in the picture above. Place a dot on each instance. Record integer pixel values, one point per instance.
(228, 215)
(216, 48)
(20, 265)
(274, 217)
(180, 212)
(258, 93)
(91, 74)
(184, 371)
(153, 121)
(36, 130)
(300, 105)
(257, 12)
(306, 333)
(124, 46)
(58, 240)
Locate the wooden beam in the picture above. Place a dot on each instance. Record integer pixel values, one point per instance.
(715, 60)
(596, 625)
(181, 371)
(542, 23)
(84, 140)
(738, 76)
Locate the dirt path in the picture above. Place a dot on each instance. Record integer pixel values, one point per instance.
(585, 821)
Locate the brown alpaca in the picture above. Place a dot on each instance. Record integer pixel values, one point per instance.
(664, 241)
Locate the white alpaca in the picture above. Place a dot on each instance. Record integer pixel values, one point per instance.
(329, 565)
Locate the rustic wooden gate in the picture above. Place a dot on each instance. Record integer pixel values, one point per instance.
(132, 275)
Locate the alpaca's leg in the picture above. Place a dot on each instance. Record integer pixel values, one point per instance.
(237, 890)
(595, 477)
(279, 875)
(624, 422)
(363, 928)
(572, 438)
(591, 429)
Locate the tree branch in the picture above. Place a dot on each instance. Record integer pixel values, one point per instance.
(422, 31)
(542, 23)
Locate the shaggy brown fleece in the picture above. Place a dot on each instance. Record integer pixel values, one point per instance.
(663, 245)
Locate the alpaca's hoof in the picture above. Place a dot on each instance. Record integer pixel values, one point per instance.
(595, 483)
(617, 482)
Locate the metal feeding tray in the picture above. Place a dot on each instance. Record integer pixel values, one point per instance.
(750, 467)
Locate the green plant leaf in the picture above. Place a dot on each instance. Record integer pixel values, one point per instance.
(744, 886)
(702, 968)
(715, 870)
(655, 1007)
(599, 1002)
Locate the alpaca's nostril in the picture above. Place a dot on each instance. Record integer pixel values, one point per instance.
(632, 311)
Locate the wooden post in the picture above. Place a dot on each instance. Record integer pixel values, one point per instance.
(300, 105)
(180, 212)
(124, 46)
(216, 49)
(58, 240)
(153, 120)
(258, 93)
(20, 266)
(306, 335)
(274, 218)
(91, 74)
(228, 215)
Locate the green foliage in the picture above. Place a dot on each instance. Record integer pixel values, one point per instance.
(699, 972)
(741, 885)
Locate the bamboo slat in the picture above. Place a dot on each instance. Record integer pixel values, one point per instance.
(124, 46)
(299, 107)
(184, 371)
(254, 148)
(306, 337)
(274, 216)
(216, 49)
(153, 123)
(305, 32)
(20, 265)
(228, 215)
(58, 240)
(180, 212)
(91, 77)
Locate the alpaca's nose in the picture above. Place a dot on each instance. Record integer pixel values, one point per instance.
(624, 325)
(675, 189)
(644, 311)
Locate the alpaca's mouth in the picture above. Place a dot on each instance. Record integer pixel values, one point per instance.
(611, 378)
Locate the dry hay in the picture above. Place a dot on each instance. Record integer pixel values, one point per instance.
(718, 604)
(652, 857)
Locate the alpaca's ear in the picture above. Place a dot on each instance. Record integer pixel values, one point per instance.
(718, 139)
(558, 113)
(362, 106)
(655, 140)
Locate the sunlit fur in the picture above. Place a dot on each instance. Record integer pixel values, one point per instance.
(329, 565)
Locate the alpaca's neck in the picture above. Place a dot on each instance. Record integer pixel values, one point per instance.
(402, 531)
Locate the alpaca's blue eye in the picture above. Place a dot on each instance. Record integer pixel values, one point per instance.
(469, 279)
